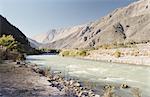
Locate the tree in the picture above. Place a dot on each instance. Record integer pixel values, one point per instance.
(8, 42)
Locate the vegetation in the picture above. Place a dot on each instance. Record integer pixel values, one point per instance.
(117, 54)
(49, 50)
(118, 45)
(9, 49)
(8, 42)
(73, 53)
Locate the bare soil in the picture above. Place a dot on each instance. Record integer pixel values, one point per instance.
(20, 81)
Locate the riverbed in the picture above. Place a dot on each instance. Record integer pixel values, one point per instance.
(97, 72)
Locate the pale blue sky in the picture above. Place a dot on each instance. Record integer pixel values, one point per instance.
(38, 16)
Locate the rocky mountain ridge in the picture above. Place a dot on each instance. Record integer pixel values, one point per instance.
(130, 23)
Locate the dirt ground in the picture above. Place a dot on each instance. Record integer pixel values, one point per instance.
(16, 81)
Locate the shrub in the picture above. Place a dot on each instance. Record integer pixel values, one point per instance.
(8, 42)
(74, 53)
(64, 53)
(82, 53)
(117, 54)
(10, 55)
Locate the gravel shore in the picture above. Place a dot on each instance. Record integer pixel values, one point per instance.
(28, 80)
(20, 81)
(138, 55)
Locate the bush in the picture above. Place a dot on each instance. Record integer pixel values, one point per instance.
(8, 42)
(64, 53)
(74, 53)
(82, 53)
(117, 54)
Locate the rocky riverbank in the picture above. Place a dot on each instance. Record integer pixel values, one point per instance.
(28, 80)
(138, 55)
(21, 79)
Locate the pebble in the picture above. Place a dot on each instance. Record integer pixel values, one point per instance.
(124, 86)
(1, 94)
(97, 95)
(69, 86)
(77, 84)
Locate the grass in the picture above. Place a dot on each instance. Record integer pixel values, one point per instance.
(73, 53)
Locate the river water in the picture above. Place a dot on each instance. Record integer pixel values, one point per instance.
(98, 72)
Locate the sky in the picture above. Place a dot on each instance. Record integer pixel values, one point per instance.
(38, 16)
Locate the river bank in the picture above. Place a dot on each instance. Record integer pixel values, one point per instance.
(137, 55)
(21, 81)
(28, 80)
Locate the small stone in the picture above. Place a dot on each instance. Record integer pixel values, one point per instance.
(124, 86)
(56, 77)
(57, 72)
(97, 95)
(77, 84)
(71, 82)
(1, 94)
(83, 93)
(107, 86)
(18, 62)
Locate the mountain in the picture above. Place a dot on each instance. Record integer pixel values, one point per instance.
(34, 43)
(130, 23)
(56, 34)
(7, 28)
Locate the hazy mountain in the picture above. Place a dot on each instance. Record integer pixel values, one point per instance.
(34, 43)
(130, 23)
(56, 34)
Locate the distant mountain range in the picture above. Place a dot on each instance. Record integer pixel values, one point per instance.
(56, 34)
(130, 23)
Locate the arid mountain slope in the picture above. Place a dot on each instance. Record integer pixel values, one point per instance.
(56, 34)
(7, 28)
(130, 23)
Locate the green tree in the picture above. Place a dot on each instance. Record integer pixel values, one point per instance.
(8, 42)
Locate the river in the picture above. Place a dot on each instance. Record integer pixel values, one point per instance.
(97, 71)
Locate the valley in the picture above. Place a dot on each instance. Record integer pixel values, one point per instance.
(108, 57)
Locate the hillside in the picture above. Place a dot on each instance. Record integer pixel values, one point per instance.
(130, 23)
(7, 28)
